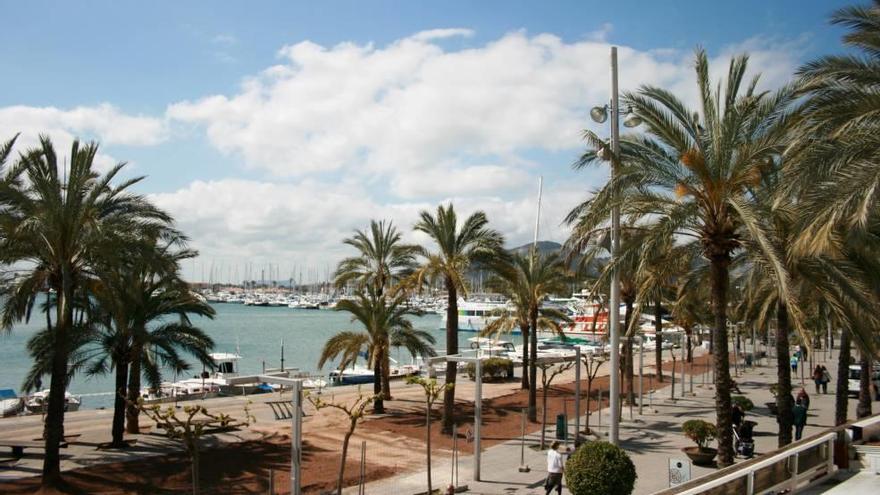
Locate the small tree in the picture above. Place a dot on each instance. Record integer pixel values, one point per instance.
(592, 362)
(188, 429)
(600, 467)
(355, 412)
(432, 392)
(701, 432)
(555, 370)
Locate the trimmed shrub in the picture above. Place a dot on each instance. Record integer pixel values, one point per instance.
(701, 432)
(600, 467)
(494, 368)
(744, 402)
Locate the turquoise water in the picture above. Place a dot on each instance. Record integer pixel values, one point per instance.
(256, 332)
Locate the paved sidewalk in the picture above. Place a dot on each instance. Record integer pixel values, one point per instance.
(651, 438)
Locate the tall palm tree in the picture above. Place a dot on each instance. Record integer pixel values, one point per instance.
(383, 260)
(162, 331)
(841, 172)
(385, 323)
(527, 281)
(690, 175)
(458, 247)
(139, 290)
(52, 221)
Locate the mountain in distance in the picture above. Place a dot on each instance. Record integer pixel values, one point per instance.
(544, 247)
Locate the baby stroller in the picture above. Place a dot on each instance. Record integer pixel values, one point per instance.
(743, 441)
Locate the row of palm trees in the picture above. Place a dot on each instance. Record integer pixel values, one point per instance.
(755, 206)
(102, 265)
(773, 192)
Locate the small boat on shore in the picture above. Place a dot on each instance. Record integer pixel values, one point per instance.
(10, 403)
(38, 402)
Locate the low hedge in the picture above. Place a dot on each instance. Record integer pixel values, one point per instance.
(600, 467)
(494, 368)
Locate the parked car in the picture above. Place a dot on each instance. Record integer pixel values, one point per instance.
(855, 375)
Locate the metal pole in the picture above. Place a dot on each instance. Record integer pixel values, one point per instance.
(363, 473)
(683, 362)
(522, 449)
(577, 395)
(296, 441)
(614, 305)
(641, 365)
(478, 417)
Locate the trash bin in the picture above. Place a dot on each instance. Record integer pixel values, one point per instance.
(561, 430)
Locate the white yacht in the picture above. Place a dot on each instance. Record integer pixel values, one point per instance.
(10, 403)
(38, 402)
(474, 316)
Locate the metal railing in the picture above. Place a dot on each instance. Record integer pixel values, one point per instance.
(793, 468)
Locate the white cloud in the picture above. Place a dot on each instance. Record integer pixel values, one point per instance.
(238, 221)
(414, 123)
(104, 123)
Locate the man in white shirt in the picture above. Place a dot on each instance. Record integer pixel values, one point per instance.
(555, 468)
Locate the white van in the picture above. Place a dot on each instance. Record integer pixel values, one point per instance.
(855, 375)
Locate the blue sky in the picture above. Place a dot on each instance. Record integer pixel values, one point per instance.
(271, 129)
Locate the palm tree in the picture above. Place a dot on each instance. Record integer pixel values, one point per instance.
(458, 247)
(385, 323)
(163, 330)
(841, 172)
(690, 175)
(53, 222)
(527, 281)
(383, 260)
(137, 290)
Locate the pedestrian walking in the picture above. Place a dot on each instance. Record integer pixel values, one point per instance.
(826, 377)
(794, 362)
(800, 419)
(818, 376)
(555, 468)
(803, 398)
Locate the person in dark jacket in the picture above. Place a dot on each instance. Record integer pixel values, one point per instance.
(800, 419)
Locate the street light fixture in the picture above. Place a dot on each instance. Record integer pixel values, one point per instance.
(600, 114)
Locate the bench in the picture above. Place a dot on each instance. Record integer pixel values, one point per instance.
(18, 446)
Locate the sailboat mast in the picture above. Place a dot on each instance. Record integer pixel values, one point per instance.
(537, 218)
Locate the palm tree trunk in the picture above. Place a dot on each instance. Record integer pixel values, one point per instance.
(658, 332)
(629, 390)
(378, 405)
(688, 343)
(134, 389)
(720, 280)
(533, 365)
(863, 409)
(54, 430)
(118, 430)
(386, 377)
(841, 396)
(525, 356)
(784, 405)
(451, 348)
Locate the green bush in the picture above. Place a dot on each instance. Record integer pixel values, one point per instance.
(600, 467)
(701, 432)
(744, 402)
(493, 369)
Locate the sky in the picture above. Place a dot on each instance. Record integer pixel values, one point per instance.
(271, 130)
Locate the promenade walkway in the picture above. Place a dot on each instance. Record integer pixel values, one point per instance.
(651, 438)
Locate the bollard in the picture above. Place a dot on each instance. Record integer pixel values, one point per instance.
(523, 468)
(271, 482)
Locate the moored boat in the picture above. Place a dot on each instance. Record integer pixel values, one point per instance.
(10, 403)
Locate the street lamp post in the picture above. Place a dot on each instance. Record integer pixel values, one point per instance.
(600, 114)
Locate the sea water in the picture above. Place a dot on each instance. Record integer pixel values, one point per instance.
(255, 333)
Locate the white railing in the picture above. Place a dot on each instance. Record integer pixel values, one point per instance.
(743, 475)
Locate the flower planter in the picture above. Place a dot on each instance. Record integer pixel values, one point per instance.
(700, 457)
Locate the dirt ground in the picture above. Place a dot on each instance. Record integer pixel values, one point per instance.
(395, 444)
